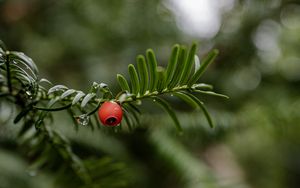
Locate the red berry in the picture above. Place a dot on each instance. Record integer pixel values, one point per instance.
(110, 113)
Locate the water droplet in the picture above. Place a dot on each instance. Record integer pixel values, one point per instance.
(172, 95)
(154, 100)
(83, 119)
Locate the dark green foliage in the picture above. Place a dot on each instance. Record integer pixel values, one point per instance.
(180, 65)
(188, 65)
(123, 83)
(152, 65)
(143, 73)
(172, 63)
(135, 83)
(36, 103)
(177, 78)
(142, 85)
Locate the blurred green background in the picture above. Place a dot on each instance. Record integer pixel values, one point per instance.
(256, 141)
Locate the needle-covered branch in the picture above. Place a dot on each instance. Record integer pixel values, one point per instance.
(37, 98)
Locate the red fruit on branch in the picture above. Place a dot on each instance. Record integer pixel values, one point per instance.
(110, 113)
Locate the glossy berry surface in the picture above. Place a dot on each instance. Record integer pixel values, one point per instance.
(110, 113)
